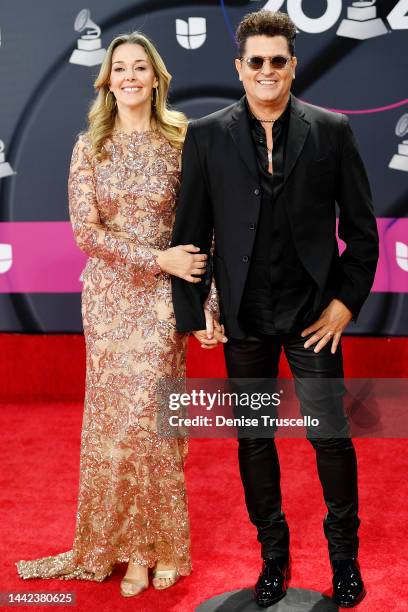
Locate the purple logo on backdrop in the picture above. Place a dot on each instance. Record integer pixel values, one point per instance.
(45, 258)
(393, 272)
(42, 257)
(392, 269)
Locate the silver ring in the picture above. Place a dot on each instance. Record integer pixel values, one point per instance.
(329, 334)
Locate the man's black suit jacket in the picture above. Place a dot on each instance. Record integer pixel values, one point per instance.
(220, 190)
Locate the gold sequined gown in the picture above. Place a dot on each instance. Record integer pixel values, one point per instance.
(132, 501)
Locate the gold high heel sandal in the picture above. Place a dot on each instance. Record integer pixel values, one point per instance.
(171, 574)
(140, 587)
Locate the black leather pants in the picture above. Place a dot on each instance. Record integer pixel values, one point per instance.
(257, 357)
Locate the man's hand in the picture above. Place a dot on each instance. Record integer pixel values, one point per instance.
(329, 326)
(213, 334)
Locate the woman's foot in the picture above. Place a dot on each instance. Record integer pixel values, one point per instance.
(135, 581)
(164, 575)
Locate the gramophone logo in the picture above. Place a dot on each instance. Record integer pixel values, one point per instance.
(191, 34)
(362, 21)
(5, 168)
(6, 258)
(400, 159)
(89, 50)
(401, 255)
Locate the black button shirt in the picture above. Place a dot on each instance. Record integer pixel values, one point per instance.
(279, 293)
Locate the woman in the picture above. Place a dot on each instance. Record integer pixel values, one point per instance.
(123, 185)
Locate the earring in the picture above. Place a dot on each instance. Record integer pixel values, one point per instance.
(107, 98)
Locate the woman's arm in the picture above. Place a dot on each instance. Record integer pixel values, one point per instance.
(96, 240)
(90, 235)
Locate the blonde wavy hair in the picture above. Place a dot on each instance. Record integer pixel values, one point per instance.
(101, 117)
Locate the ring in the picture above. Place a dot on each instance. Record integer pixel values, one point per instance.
(329, 334)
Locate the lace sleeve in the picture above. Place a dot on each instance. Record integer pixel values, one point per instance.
(90, 234)
(211, 302)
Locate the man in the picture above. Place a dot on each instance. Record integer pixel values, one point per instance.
(264, 174)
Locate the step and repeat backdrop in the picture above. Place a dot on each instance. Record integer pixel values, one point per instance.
(353, 58)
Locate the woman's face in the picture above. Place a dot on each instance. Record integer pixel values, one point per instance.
(132, 78)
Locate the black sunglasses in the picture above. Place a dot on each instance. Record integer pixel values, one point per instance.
(256, 62)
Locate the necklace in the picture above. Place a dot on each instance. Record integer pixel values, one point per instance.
(265, 120)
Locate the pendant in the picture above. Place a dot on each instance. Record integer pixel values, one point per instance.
(270, 157)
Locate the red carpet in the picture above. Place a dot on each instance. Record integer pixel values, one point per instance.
(39, 480)
(52, 367)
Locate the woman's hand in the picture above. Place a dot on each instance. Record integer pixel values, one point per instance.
(183, 261)
(213, 334)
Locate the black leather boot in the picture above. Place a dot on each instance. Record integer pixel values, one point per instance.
(348, 586)
(273, 580)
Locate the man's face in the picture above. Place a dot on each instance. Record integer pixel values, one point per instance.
(268, 84)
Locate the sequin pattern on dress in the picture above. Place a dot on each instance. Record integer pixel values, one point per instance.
(132, 501)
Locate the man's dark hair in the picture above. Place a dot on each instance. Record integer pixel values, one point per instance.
(266, 23)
